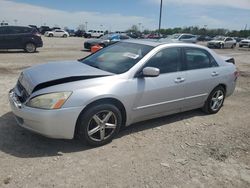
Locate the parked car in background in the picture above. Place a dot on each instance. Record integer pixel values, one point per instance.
(222, 42)
(122, 84)
(44, 29)
(182, 37)
(238, 39)
(135, 35)
(188, 38)
(204, 38)
(94, 34)
(17, 37)
(80, 33)
(71, 32)
(153, 36)
(35, 27)
(105, 40)
(56, 33)
(245, 43)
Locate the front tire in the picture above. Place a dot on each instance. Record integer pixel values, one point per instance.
(64, 36)
(30, 47)
(214, 101)
(99, 124)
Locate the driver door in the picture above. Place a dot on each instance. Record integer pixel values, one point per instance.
(164, 94)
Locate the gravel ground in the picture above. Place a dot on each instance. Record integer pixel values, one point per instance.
(190, 149)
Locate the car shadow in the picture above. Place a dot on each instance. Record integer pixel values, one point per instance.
(22, 143)
(85, 50)
(15, 52)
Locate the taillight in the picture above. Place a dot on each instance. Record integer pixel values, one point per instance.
(236, 74)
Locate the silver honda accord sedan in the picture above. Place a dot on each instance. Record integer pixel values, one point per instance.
(124, 83)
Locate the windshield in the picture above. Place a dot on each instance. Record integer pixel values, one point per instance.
(175, 36)
(118, 58)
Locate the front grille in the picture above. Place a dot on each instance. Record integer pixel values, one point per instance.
(23, 93)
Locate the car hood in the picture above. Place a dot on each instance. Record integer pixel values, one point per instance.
(45, 75)
(245, 40)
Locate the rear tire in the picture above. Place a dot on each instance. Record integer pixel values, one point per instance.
(51, 35)
(64, 36)
(30, 47)
(99, 124)
(214, 101)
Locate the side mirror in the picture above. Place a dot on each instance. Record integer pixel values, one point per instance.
(150, 72)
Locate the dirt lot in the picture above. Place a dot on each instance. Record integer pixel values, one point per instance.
(184, 150)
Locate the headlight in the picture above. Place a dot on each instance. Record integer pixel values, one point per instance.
(49, 101)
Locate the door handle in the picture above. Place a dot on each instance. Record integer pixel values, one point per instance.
(214, 73)
(179, 80)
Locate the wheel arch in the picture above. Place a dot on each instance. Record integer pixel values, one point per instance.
(108, 100)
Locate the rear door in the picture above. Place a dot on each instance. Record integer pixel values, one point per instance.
(201, 76)
(16, 37)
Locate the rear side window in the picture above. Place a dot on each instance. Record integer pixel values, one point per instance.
(167, 60)
(19, 30)
(187, 36)
(3, 30)
(198, 59)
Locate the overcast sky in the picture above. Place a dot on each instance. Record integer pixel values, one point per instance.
(121, 14)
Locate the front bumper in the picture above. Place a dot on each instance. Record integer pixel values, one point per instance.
(213, 45)
(50, 123)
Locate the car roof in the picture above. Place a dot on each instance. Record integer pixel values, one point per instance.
(155, 43)
(13, 26)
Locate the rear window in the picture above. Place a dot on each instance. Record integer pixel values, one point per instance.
(3, 30)
(19, 30)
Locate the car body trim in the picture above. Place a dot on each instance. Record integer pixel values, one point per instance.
(171, 101)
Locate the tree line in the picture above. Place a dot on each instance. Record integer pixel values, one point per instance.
(195, 31)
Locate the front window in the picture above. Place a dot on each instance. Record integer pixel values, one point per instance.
(167, 60)
(175, 36)
(118, 58)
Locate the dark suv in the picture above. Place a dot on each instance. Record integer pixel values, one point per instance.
(17, 37)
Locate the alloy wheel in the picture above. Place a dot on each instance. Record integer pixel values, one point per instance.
(102, 125)
(30, 47)
(217, 100)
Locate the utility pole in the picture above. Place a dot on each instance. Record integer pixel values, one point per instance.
(86, 26)
(160, 17)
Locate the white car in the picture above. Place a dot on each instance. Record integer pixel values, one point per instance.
(222, 42)
(95, 33)
(183, 37)
(245, 42)
(57, 33)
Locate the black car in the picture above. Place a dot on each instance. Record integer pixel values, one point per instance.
(43, 29)
(105, 40)
(17, 37)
